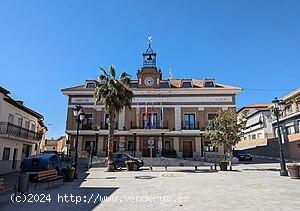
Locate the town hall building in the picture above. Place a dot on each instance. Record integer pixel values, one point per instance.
(173, 113)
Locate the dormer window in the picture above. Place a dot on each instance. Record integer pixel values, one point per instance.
(209, 83)
(186, 84)
(164, 84)
(134, 85)
(90, 85)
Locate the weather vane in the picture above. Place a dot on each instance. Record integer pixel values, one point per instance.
(170, 73)
(149, 40)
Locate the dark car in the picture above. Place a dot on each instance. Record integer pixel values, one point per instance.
(46, 161)
(242, 156)
(119, 161)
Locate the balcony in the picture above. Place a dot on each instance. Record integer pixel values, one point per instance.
(18, 132)
(165, 126)
(190, 126)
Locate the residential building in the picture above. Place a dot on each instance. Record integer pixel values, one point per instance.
(21, 132)
(56, 145)
(172, 112)
(290, 124)
(258, 130)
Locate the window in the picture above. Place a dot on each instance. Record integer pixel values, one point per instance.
(134, 85)
(150, 122)
(87, 146)
(249, 136)
(19, 121)
(106, 121)
(210, 119)
(253, 136)
(167, 145)
(209, 83)
(259, 135)
(290, 130)
(186, 84)
(32, 127)
(54, 158)
(189, 121)
(6, 153)
(90, 85)
(130, 146)
(208, 147)
(87, 122)
(26, 124)
(164, 85)
(11, 118)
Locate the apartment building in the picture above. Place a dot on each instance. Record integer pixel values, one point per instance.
(172, 112)
(22, 132)
(290, 124)
(258, 130)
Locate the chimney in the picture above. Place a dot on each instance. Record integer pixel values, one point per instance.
(20, 102)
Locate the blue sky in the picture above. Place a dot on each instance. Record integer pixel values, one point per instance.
(49, 45)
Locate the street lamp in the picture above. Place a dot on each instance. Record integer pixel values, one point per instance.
(134, 143)
(163, 145)
(276, 109)
(79, 117)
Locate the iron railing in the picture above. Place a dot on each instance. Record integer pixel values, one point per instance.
(18, 132)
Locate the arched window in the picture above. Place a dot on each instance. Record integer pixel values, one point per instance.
(19, 119)
(26, 122)
(32, 126)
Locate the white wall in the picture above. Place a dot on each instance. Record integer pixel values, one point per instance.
(6, 109)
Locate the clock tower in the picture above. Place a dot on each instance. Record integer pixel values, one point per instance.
(149, 76)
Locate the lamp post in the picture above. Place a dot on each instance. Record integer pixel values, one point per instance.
(79, 117)
(134, 143)
(201, 136)
(162, 145)
(276, 103)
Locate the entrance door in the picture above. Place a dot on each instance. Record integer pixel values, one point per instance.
(146, 149)
(25, 151)
(187, 149)
(14, 162)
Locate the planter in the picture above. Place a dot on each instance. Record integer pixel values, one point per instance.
(294, 171)
(68, 174)
(129, 165)
(223, 165)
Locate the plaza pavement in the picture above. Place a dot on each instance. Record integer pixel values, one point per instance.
(248, 187)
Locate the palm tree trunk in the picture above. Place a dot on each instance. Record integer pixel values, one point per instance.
(111, 130)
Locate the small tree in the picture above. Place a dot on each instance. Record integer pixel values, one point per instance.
(225, 131)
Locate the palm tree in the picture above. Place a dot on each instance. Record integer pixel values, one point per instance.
(114, 93)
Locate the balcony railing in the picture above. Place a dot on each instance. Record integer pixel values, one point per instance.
(134, 126)
(190, 126)
(104, 126)
(18, 132)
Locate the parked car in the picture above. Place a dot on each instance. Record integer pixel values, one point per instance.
(119, 160)
(242, 156)
(46, 161)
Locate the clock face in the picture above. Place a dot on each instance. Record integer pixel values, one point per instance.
(149, 81)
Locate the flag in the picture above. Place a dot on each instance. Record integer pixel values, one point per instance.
(152, 116)
(161, 115)
(137, 113)
(146, 116)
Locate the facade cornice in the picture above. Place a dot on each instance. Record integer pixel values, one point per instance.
(166, 92)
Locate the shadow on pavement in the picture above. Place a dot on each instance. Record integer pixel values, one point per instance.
(262, 169)
(60, 196)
